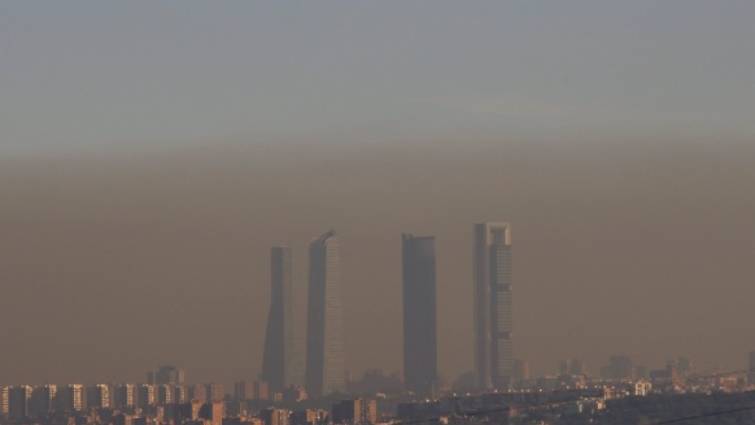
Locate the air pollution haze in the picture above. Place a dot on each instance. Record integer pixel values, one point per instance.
(112, 263)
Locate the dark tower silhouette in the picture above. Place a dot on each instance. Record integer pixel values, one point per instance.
(420, 328)
(279, 338)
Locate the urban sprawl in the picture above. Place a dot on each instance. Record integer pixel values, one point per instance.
(313, 388)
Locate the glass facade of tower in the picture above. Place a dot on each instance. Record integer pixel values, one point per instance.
(493, 350)
(279, 337)
(325, 365)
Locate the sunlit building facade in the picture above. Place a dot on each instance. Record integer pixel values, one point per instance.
(325, 366)
(493, 351)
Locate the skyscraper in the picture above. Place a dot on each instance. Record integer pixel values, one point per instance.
(279, 339)
(420, 330)
(325, 357)
(492, 305)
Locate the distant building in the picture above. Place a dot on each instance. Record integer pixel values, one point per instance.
(43, 400)
(420, 411)
(520, 370)
(309, 417)
(572, 367)
(198, 392)
(195, 409)
(122, 419)
(72, 398)
(146, 395)
(215, 392)
(420, 323)
(684, 365)
(326, 367)
(375, 381)
(185, 412)
(619, 368)
(4, 400)
(168, 375)
(98, 396)
(261, 390)
(213, 411)
(124, 396)
(751, 369)
(180, 394)
(354, 412)
(294, 394)
(278, 356)
(642, 388)
(493, 305)
(273, 416)
(19, 402)
(667, 379)
(165, 394)
(243, 390)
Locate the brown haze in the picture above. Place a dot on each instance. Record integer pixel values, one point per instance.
(112, 264)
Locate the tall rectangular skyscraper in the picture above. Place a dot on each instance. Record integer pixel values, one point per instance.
(279, 339)
(325, 366)
(420, 330)
(492, 305)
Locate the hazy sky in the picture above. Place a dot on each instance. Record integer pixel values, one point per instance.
(97, 73)
(152, 152)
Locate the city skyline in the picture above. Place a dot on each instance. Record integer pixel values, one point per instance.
(125, 262)
(377, 213)
(151, 155)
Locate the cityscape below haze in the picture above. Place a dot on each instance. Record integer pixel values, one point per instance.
(304, 379)
(333, 212)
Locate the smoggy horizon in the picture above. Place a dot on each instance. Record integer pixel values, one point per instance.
(115, 263)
